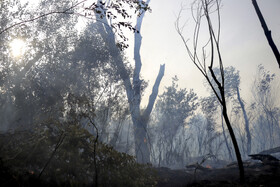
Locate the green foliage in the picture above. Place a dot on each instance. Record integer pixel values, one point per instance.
(27, 152)
(116, 10)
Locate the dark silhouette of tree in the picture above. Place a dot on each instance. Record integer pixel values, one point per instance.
(201, 10)
(267, 32)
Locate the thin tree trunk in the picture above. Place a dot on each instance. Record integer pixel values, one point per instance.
(267, 32)
(235, 145)
(159, 158)
(222, 100)
(60, 140)
(247, 128)
(226, 141)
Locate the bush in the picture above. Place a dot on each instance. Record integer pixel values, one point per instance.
(65, 154)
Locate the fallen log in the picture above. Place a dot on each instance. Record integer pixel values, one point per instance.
(271, 151)
(265, 158)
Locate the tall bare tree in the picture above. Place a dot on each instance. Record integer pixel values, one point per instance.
(202, 10)
(134, 88)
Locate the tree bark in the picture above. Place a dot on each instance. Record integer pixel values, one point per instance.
(267, 32)
(142, 150)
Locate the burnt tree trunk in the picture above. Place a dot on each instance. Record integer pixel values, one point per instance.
(267, 32)
(203, 10)
(222, 101)
(226, 141)
(235, 145)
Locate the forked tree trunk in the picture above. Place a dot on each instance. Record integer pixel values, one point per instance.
(133, 89)
(140, 122)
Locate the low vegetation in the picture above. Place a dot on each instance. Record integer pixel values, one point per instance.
(49, 155)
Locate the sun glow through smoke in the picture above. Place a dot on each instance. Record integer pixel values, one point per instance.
(17, 47)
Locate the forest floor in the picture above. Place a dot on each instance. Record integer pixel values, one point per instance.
(256, 174)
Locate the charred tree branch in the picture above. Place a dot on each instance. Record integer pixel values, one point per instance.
(267, 32)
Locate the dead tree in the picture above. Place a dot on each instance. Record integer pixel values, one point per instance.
(134, 87)
(267, 32)
(201, 9)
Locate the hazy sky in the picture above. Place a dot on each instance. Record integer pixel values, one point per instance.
(243, 42)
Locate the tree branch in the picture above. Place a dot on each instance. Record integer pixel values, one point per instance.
(60, 140)
(267, 32)
(154, 93)
(41, 16)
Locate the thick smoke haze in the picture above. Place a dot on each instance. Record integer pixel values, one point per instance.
(107, 93)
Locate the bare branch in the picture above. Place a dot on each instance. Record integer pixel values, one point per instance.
(66, 11)
(180, 32)
(214, 39)
(267, 32)
(154, 93)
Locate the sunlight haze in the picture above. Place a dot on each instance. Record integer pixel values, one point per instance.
(139, 93)
(17, 47)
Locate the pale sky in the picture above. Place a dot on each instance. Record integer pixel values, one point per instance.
(243, 43)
